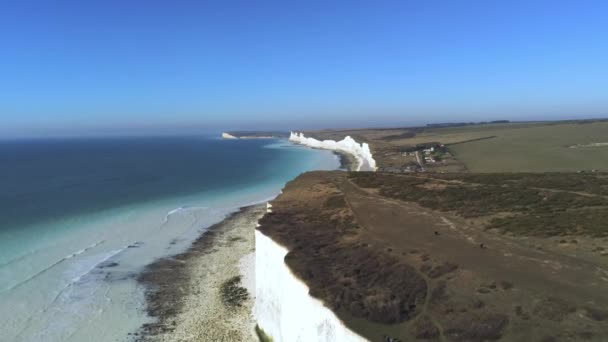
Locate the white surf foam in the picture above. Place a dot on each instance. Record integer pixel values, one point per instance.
(49, 267)
(104, 257)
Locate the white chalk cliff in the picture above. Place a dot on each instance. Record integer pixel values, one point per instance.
(283, 308)
(361, 152)
(228, 136)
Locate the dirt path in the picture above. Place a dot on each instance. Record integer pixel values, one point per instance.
(419, 161)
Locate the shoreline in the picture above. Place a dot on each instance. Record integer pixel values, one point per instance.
(184, 292)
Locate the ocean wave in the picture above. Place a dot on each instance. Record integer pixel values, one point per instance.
(84, 249)
(171, 212)
(18, 258)
(47, 268)
(63, 292)
(107, 257)
(264, 200)
(178, 210)
(75, 280)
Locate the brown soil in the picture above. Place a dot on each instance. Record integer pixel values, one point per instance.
(393, 268)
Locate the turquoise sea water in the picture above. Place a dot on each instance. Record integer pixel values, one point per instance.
(79, 218)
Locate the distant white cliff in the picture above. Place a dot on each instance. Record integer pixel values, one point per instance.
(361, 152)
(228, 136)
(283, 308)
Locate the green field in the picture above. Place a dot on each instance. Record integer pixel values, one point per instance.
(560, 146)
(533, 148)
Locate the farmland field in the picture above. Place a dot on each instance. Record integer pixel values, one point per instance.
(564, 146)
(537, 148)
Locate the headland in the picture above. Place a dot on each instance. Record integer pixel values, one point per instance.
(425, 248)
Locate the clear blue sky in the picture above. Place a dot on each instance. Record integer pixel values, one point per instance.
(97, 66)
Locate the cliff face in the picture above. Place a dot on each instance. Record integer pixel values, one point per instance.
(254, 135)
(360, 151)
(228, 136)
(283, 308)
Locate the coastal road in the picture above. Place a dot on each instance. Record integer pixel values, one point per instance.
(419, 161)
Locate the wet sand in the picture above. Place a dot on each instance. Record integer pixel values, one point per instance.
(183, 292)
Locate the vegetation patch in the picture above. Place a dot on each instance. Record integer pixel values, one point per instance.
(587, 222)
(261, 334)
(441, 270)
(477, 327)
(439, 293)
(349, 276)
(554, 309)
(233, 294)
(597, 314)
(335, 202)
(425, 329)
(525, 204)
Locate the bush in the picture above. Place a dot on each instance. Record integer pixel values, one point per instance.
(262, 334)
(233, 294)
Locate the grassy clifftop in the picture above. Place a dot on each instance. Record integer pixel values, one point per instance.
(451, 257)
(530, 204)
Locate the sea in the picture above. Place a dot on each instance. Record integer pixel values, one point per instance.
(81, 217)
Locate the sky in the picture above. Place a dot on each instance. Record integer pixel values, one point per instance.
(96, 67)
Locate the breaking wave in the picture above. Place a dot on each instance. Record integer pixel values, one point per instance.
(179, 210)
(47, 268)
